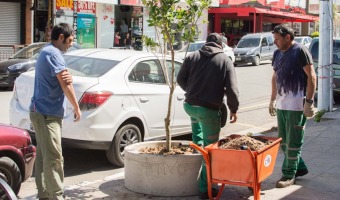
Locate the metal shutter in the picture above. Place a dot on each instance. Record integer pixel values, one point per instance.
(9, 23)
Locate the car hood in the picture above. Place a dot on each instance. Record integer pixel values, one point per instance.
(7, 63)
(243, 50)
(24, 87)
(13, 136)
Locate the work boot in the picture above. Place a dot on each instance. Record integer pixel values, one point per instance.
(285, 182)
(301, 172)
(204, 195)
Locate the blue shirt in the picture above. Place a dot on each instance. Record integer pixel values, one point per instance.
(48, 97)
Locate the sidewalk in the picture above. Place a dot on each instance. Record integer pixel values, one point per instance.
(321, 152)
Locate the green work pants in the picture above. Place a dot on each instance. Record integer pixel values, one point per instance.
(49, 163)
(291, 125)
(206, 126)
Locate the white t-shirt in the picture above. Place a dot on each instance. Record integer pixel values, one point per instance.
(290, 101)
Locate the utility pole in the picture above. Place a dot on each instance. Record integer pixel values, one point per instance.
(325, 100)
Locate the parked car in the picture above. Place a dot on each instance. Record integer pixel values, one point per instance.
(197, 45)
(22, 61)
(254, 47)
(314, 49)
(305, 40)
(17, 156)
(122, 95)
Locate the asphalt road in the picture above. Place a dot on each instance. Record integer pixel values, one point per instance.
(83, 166)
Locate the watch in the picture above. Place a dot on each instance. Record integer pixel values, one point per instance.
(310, 101)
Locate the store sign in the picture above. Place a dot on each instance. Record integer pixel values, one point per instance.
(64, 4)
(131, 2)
(86, 7)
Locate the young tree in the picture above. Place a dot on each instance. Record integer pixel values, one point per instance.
(170, 19)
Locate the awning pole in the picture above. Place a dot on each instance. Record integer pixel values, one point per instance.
(254, 29)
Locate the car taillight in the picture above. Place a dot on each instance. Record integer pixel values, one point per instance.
(92, 100)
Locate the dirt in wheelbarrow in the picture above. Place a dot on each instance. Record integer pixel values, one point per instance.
(243, 142)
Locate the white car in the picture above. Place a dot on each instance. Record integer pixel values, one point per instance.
(197, 45)
(123, 97)
(305, 40)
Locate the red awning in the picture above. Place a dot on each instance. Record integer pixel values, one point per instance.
(287, 16)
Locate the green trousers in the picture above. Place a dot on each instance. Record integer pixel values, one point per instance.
(291, 125)
(206, 126)
(49, 163)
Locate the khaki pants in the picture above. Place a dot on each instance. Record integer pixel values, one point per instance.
(49, 163)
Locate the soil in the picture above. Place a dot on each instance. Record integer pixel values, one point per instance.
(230, 142)
(244, 142)
(162, 150)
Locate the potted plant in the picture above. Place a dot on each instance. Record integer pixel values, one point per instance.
(158, 174)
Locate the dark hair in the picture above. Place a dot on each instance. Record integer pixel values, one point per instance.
(284, 30)
(61, 28)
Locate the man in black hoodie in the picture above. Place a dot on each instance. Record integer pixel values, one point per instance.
(206, 76)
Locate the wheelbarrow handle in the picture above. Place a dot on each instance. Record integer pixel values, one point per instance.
(198, 148)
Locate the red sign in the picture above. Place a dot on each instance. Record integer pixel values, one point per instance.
(131, 2)
(86, 7)
(64, 4)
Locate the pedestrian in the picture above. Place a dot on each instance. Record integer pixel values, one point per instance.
(206, 76)
(52, 83)
(116, 39)
(127, 41)
(293, 89)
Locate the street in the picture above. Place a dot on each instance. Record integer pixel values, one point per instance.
(85, 166)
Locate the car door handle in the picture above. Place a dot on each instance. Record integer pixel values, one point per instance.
(143, 100)
(180, 98)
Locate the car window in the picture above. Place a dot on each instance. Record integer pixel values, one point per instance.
(248, 42)
(264, 42)
(28, 52)
(299, 40)
(177, 68)
(315, 50)
(336, 52)
(149, 71)
(88, 67)
(195, 46)
(270, 41)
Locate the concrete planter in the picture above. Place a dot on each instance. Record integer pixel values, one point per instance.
(171, 175)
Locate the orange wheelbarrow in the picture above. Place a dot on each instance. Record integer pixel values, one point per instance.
(239, 167)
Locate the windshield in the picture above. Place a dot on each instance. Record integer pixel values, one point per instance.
(28, 52)
(88, 67)
(248, 42)
(299, 40)
(193, 47)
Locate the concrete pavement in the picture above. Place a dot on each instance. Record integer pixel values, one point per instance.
(321, 152)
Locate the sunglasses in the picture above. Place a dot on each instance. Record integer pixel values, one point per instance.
(280, 30)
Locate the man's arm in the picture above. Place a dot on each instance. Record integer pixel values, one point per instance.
(66, 76)
(311, 81)
(274, 92)
(70, 95)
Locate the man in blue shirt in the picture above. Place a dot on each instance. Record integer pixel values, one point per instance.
(52, 83)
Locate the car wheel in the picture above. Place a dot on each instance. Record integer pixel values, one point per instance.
(10, 172)
(126, 135)
(235, 65)
(256, 61)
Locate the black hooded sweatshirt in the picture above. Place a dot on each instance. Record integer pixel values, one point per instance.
(206, 75)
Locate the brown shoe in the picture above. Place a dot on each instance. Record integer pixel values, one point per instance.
(285, 182)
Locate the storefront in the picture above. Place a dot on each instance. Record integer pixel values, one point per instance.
(10, 21)
(238, 20)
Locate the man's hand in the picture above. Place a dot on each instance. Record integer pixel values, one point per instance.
(233, 117)
(272, 109)
(66, 76)
(308, 109)
(77, 115)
